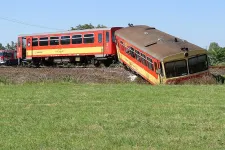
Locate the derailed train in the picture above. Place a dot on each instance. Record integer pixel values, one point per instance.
(159, 57)
(156, 56)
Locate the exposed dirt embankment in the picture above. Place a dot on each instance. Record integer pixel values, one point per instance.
(17, 75)
(79, 75)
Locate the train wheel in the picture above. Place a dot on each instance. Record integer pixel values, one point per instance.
(107, 62)
(36, 62)
(97, 63)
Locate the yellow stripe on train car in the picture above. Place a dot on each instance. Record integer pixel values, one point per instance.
(84, 50)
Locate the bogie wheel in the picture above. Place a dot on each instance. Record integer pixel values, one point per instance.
(107, 62)
(97, 63)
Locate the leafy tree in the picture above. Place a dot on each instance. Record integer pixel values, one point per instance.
(216, 54)
(213, 45)
(101, 26)
(11, 46)
(2, 47)
(87, 26)
(8, 47)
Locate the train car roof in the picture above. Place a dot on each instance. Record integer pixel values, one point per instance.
(154, 42)
(66, 32)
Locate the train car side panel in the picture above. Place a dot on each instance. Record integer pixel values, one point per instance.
(135, 67)
(92, 45)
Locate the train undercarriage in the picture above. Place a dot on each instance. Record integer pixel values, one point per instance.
(70, 61)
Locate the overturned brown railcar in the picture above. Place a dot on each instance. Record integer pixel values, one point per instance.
(159, 57)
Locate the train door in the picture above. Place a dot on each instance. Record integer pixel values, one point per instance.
(24, 47)
(21, 48)
(101, 41)
(159, 71)
(106, 42)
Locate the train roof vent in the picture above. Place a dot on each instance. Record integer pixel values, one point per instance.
(155, 42)
(150, 28)
(130, 25)
(150, 44)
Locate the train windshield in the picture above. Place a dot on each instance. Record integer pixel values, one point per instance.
(176, 68)
(1, 54)
(198, 64)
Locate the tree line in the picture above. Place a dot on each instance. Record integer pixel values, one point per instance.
(216, 53)
(8, 46)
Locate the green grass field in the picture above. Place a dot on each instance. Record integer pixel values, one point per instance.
(111, 116)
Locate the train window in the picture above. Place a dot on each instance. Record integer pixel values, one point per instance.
(77, 39)
(8, 54)
(100, 38)
(43, 41)
(88, 38)
(34, 41)
(176, 68)
(65, 40)
(132, 52)
(144, 60)
(28, 42)
(135, 52)
(150, 64)
(24, 43)
(128, 50)
(198, 64)
(141, 57)
(54, 40)
(137, 55)
(107, 36)
(113, 37)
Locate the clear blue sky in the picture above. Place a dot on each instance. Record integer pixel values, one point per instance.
(198, 21)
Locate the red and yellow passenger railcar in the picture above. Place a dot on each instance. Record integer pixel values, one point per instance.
(159, 57)
(77, 46)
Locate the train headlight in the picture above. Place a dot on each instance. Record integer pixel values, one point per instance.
(185, 49)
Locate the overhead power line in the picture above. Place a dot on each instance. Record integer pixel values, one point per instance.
(27, 24)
